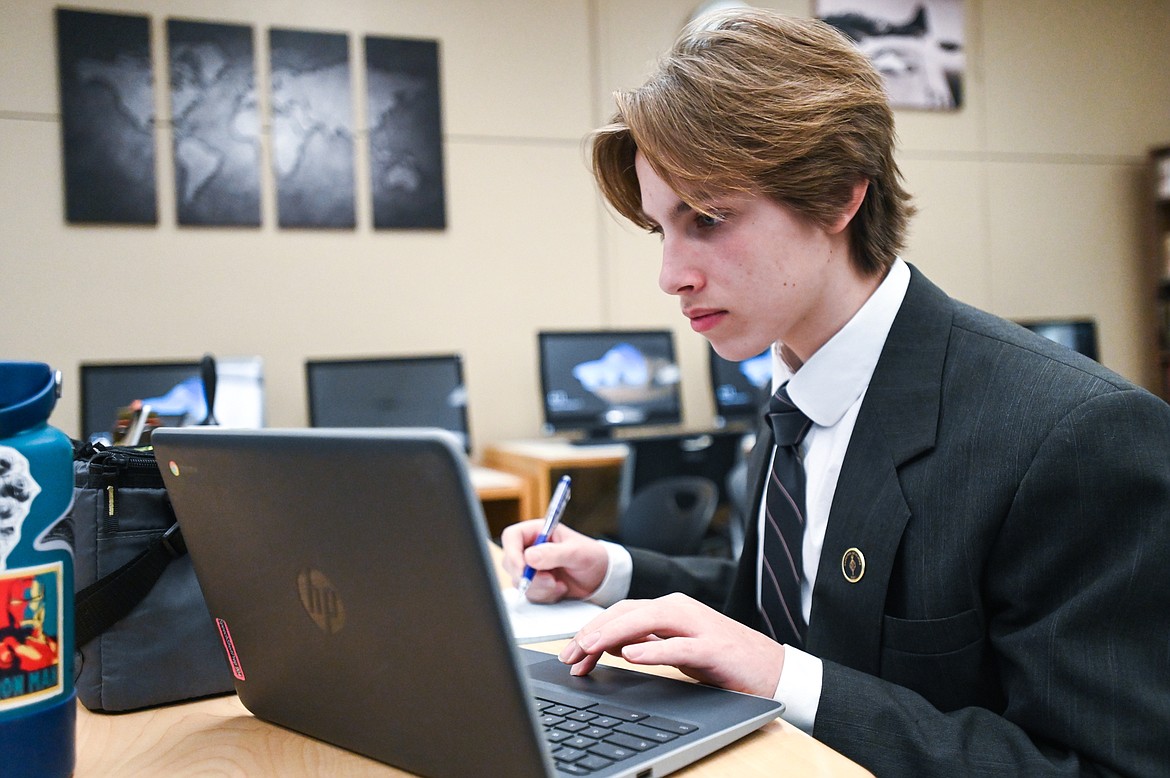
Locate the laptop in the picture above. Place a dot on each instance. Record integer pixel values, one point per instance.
(348, 574)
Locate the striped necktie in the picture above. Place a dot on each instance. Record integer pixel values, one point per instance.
(784, 524)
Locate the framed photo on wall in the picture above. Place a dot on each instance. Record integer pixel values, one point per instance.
(107, 117)
(216, 123)
(1161, 157)
(406, 133)
(916, 45)
(312, 128)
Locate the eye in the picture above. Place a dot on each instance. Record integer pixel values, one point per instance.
(708, 221)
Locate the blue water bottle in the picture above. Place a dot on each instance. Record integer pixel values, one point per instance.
(38, 711)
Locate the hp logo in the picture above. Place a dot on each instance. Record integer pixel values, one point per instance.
(321, 601)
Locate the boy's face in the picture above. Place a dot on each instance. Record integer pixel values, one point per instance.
(758, 273)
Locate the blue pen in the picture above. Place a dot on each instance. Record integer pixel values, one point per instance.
(556, 508)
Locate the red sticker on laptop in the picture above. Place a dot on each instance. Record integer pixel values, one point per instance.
(229, 648)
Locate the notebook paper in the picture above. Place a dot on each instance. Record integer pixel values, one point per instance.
(535, 622)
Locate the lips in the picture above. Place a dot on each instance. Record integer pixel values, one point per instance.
(703, 319)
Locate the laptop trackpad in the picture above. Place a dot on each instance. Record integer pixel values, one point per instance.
(602, 681)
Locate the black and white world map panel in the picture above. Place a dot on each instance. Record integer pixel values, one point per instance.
(215, 123)
(312, 128)
(107, 117)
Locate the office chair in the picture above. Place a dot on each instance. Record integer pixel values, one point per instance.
(712, 455)
(670, 515)
(708, 454)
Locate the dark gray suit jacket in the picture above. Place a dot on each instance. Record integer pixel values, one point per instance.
(1012, 503)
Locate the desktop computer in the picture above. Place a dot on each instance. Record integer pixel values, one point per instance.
(173, 389)
(739, 389)
(1078, 334)
(599, 381)
(389, 391)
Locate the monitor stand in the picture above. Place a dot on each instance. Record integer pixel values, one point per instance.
(596, 437)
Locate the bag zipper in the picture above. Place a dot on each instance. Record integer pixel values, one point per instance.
(119, 463)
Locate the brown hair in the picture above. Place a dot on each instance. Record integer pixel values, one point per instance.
(753, 101)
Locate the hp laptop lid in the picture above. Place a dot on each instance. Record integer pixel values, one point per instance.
(348, 574)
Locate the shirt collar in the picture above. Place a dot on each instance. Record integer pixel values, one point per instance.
(838, 373)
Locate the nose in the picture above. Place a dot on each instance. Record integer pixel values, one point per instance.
(678, 274)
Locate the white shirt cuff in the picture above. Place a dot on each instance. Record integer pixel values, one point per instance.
(616, 584)
(800, 688)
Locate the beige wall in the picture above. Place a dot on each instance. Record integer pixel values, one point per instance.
(1031, 200)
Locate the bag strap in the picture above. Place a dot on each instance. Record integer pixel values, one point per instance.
(106, 601)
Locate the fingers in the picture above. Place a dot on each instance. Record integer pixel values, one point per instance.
(514, 539)
(570, 565)
(585, 665)
(630, 622)
(545, 587)
(553, 556)
(676, 651)
(680, 632)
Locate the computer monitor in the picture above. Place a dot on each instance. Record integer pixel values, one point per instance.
(1078, 334)
(739, 389)
(597, 381)
(174, 390)
(392, 391)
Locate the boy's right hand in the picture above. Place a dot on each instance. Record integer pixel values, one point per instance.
(569, 564)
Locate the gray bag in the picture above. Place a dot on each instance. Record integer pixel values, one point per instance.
(144, 635)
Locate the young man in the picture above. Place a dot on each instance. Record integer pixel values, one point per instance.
(976, 580)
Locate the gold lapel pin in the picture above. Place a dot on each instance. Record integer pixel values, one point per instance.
(853, 565)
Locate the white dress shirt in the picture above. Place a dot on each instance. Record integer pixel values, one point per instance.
(828, 388)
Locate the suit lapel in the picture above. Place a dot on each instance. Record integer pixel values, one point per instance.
(897, 421)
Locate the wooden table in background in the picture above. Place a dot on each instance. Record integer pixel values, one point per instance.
(595, 470)
(505, 498)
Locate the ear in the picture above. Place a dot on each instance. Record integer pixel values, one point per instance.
(856, 197)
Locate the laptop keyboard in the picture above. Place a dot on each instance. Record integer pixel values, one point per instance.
(586, 737)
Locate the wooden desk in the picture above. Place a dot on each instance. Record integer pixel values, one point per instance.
(218, 736)
(505, 497)
(539, 463)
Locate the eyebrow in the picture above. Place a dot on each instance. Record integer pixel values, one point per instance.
(680, 209)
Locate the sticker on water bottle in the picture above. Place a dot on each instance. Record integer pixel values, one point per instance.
(18, 489)
(31, 624)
